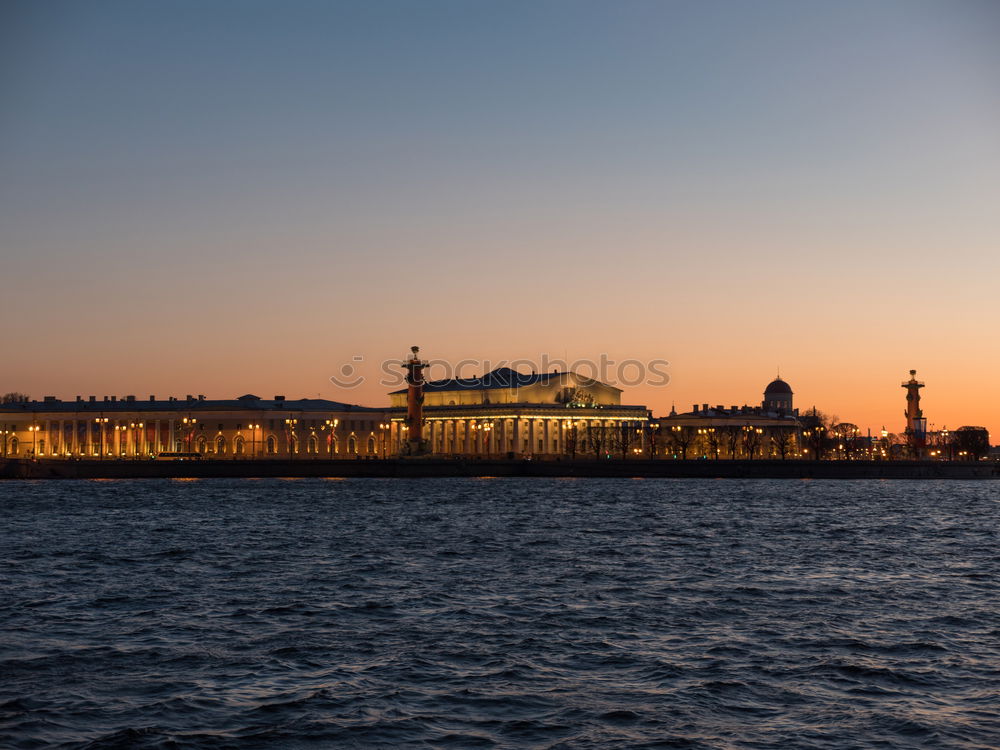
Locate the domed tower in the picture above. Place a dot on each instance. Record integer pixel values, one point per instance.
(778, 396)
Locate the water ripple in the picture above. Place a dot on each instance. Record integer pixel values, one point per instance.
(510, 613)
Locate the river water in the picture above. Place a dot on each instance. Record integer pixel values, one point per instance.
(521, 613)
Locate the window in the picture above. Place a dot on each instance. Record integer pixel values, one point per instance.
(352, 446)
(238, 445)
(313, 445)
(272, 445)
(371, 446)
(220, 444)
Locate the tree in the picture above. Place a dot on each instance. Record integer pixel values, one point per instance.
(714, 439)
(652, 434)
(751, 439)
(623, 436)
(596, 438)
(846, 434)
(783, 441)
(972, 443)
(732, 435)
(571, 439)
(14, 397)
(681, 437)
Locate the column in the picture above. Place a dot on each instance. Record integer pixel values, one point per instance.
(465, 437)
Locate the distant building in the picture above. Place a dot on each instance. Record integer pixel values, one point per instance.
(245, 427)
(778, 398)
(771, 430)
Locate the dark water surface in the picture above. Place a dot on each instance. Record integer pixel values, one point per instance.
(499, 613)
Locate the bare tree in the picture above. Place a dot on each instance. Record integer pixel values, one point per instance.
(714, 440)
(596, 438)
(846, 434)
(751, 439)
(623, 436)
(783, 440)
(732, 435)
(14, 397)
(571, 440)
(972, 443)
(652, 435)
(681, 437)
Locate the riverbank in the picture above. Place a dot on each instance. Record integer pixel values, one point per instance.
(432, 467)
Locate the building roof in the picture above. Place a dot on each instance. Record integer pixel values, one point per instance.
(502, 377)
(778, 386)
(127, 404)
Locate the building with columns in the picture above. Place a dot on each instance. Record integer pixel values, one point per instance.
(771, 430)
(245, 427)
(505, 413)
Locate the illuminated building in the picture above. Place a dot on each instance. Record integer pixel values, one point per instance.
(508, 413)
(245, 427)
(771, 430)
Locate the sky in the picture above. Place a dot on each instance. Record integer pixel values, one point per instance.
(223, 197)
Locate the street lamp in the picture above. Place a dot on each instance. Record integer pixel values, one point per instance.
(253, 427)
(189, 424)
(137, 441)
(382, 428)
(292, 444)
(119, 439)
(102, 422)
(33, 429)
(331, 425)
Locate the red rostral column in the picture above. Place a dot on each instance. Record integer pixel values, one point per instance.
(415, 400)
(916, 427)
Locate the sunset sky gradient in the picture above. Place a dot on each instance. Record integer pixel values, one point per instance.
(231, 197)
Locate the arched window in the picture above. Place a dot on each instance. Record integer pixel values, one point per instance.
(220, 444)
(238, 445)
(352, 446)
(202, 444)
(313, 445)
(371, 446)
(272, 445)
(41, 447)
(13, 446)
(335, 444)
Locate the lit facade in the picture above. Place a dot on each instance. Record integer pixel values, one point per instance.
(505, 413)
(243, 428)
(771, 430)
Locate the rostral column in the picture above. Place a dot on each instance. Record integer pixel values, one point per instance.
(415, 444)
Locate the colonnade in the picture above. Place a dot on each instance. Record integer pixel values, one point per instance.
(498, 437)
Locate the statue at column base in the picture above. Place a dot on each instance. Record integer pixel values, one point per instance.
(416, 448)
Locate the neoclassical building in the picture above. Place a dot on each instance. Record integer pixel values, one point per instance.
(244, 427)
(771, 430)
(505, 413)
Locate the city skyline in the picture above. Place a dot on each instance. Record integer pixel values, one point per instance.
(199, 199)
